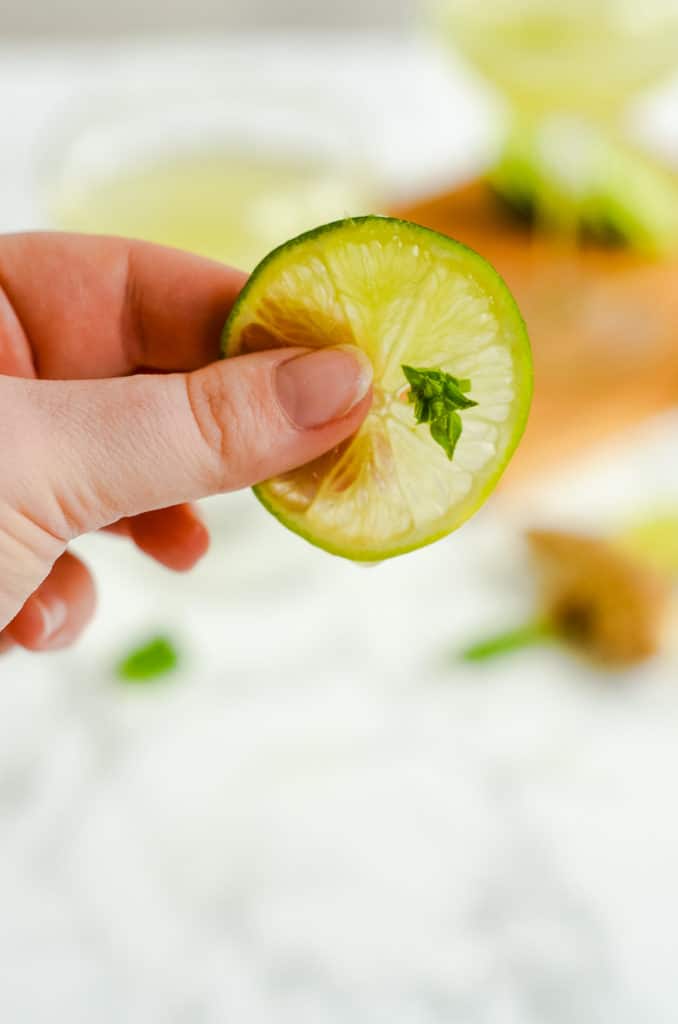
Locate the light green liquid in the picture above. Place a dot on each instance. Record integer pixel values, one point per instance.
(568, 72)
(590, 57)
(224, 206)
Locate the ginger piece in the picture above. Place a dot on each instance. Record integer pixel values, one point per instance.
(600, 599)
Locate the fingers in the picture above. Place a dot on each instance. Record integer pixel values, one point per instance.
(176, 537)
(120, 529)
(55, 615)
(16, 356)
(118, 448)
(6, 642)
(79, 306)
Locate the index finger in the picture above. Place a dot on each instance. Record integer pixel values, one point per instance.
(86, 306)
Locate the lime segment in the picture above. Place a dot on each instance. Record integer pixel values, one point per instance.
(406, 296)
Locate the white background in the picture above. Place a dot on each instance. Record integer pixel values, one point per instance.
(325, 817)
(96, 17)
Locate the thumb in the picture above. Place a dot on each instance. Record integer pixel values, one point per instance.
(120, 447)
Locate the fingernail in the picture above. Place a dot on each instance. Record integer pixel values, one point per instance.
(52, 615)
(324, 385)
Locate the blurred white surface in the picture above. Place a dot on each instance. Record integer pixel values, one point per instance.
(421, 121)
(94, 18)
(325, 817)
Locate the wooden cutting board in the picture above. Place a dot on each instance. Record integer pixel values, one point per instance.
(603, 324)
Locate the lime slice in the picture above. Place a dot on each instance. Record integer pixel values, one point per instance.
(408, 297)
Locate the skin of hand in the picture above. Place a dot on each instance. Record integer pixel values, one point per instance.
(116, 413)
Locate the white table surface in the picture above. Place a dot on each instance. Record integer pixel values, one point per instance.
(326, 818)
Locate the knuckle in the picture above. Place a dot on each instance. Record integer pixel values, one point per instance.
(216, 423)
(71, 511)
(233, 421)
(28, 450)
(28, 550)
(29, 503)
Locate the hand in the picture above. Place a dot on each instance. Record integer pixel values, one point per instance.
(111, 417)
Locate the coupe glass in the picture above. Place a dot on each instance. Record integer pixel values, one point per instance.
(584, 56)
(228, 168)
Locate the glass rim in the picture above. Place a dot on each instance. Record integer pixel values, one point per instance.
(226, 110)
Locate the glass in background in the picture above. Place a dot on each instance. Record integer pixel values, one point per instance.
(590, 56)
(228, 169)
(574, 212)
(568, 74)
